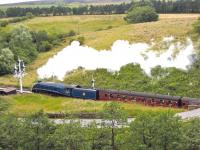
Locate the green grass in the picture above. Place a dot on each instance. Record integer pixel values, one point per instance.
(25, 104)
(97, 33)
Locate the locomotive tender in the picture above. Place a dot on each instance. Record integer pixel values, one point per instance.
(113, 95)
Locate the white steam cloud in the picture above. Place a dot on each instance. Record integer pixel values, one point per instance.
(121, 53)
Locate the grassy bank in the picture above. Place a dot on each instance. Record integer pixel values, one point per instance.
(25, 104)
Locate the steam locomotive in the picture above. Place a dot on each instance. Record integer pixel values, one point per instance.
(75, 91)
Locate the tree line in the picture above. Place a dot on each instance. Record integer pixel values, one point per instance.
(161, 6)
(4, 23)
(149, 131)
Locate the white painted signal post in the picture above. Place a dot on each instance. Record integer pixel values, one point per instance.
(20, 72)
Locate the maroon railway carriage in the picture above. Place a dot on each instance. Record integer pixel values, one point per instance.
(145, 98)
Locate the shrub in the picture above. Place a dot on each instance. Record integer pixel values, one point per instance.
(71, 33)
(3, 23)
(141, 14)
(196, 26)
(29, 15)
(6, 61)
(44, 46)
(81, 39)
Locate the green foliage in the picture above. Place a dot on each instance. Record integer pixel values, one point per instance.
(141, 14)
(196, 26)
(29, 15)
(81, 39)
(113, 111)
(35, 131)
(2, 13)
(6, 61)
(118, 116)
(71, 33)
(149, 131)
(9, 126)
(21, 44)
(191, 131)
(4, 23)
(69, 136)
(132, 78)
(156, 131)
(44, 46)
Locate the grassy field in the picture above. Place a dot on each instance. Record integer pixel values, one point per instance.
(25, 104)
(100, 32)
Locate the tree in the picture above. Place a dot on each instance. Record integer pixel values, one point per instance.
(169, 131)
(156, 131)
(35, 131)
(141, 14)
(114, 113)
(6, 61)
(69, 136)
(2, 14)
(29, 15)
(9, 132)
(191, 136)
(22, 45)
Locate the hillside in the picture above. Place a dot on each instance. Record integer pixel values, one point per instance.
(100, 32)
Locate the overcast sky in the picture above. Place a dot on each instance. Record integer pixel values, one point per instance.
(13, 1)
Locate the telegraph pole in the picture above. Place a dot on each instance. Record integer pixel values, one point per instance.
(20, 72)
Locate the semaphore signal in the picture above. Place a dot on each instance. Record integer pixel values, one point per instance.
(20, 72)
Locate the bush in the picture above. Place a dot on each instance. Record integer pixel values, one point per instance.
(141, 14)
(71, 33)
(81, 39)
(197, 26)
(3, 23)
(44, 46)
(29, 15)
(2, 14)
(6, 61)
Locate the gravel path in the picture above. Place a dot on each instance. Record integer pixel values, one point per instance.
(190, 114)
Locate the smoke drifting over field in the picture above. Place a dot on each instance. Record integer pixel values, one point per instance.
(121, 53)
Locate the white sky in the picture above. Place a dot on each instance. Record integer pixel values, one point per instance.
(14, 1)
